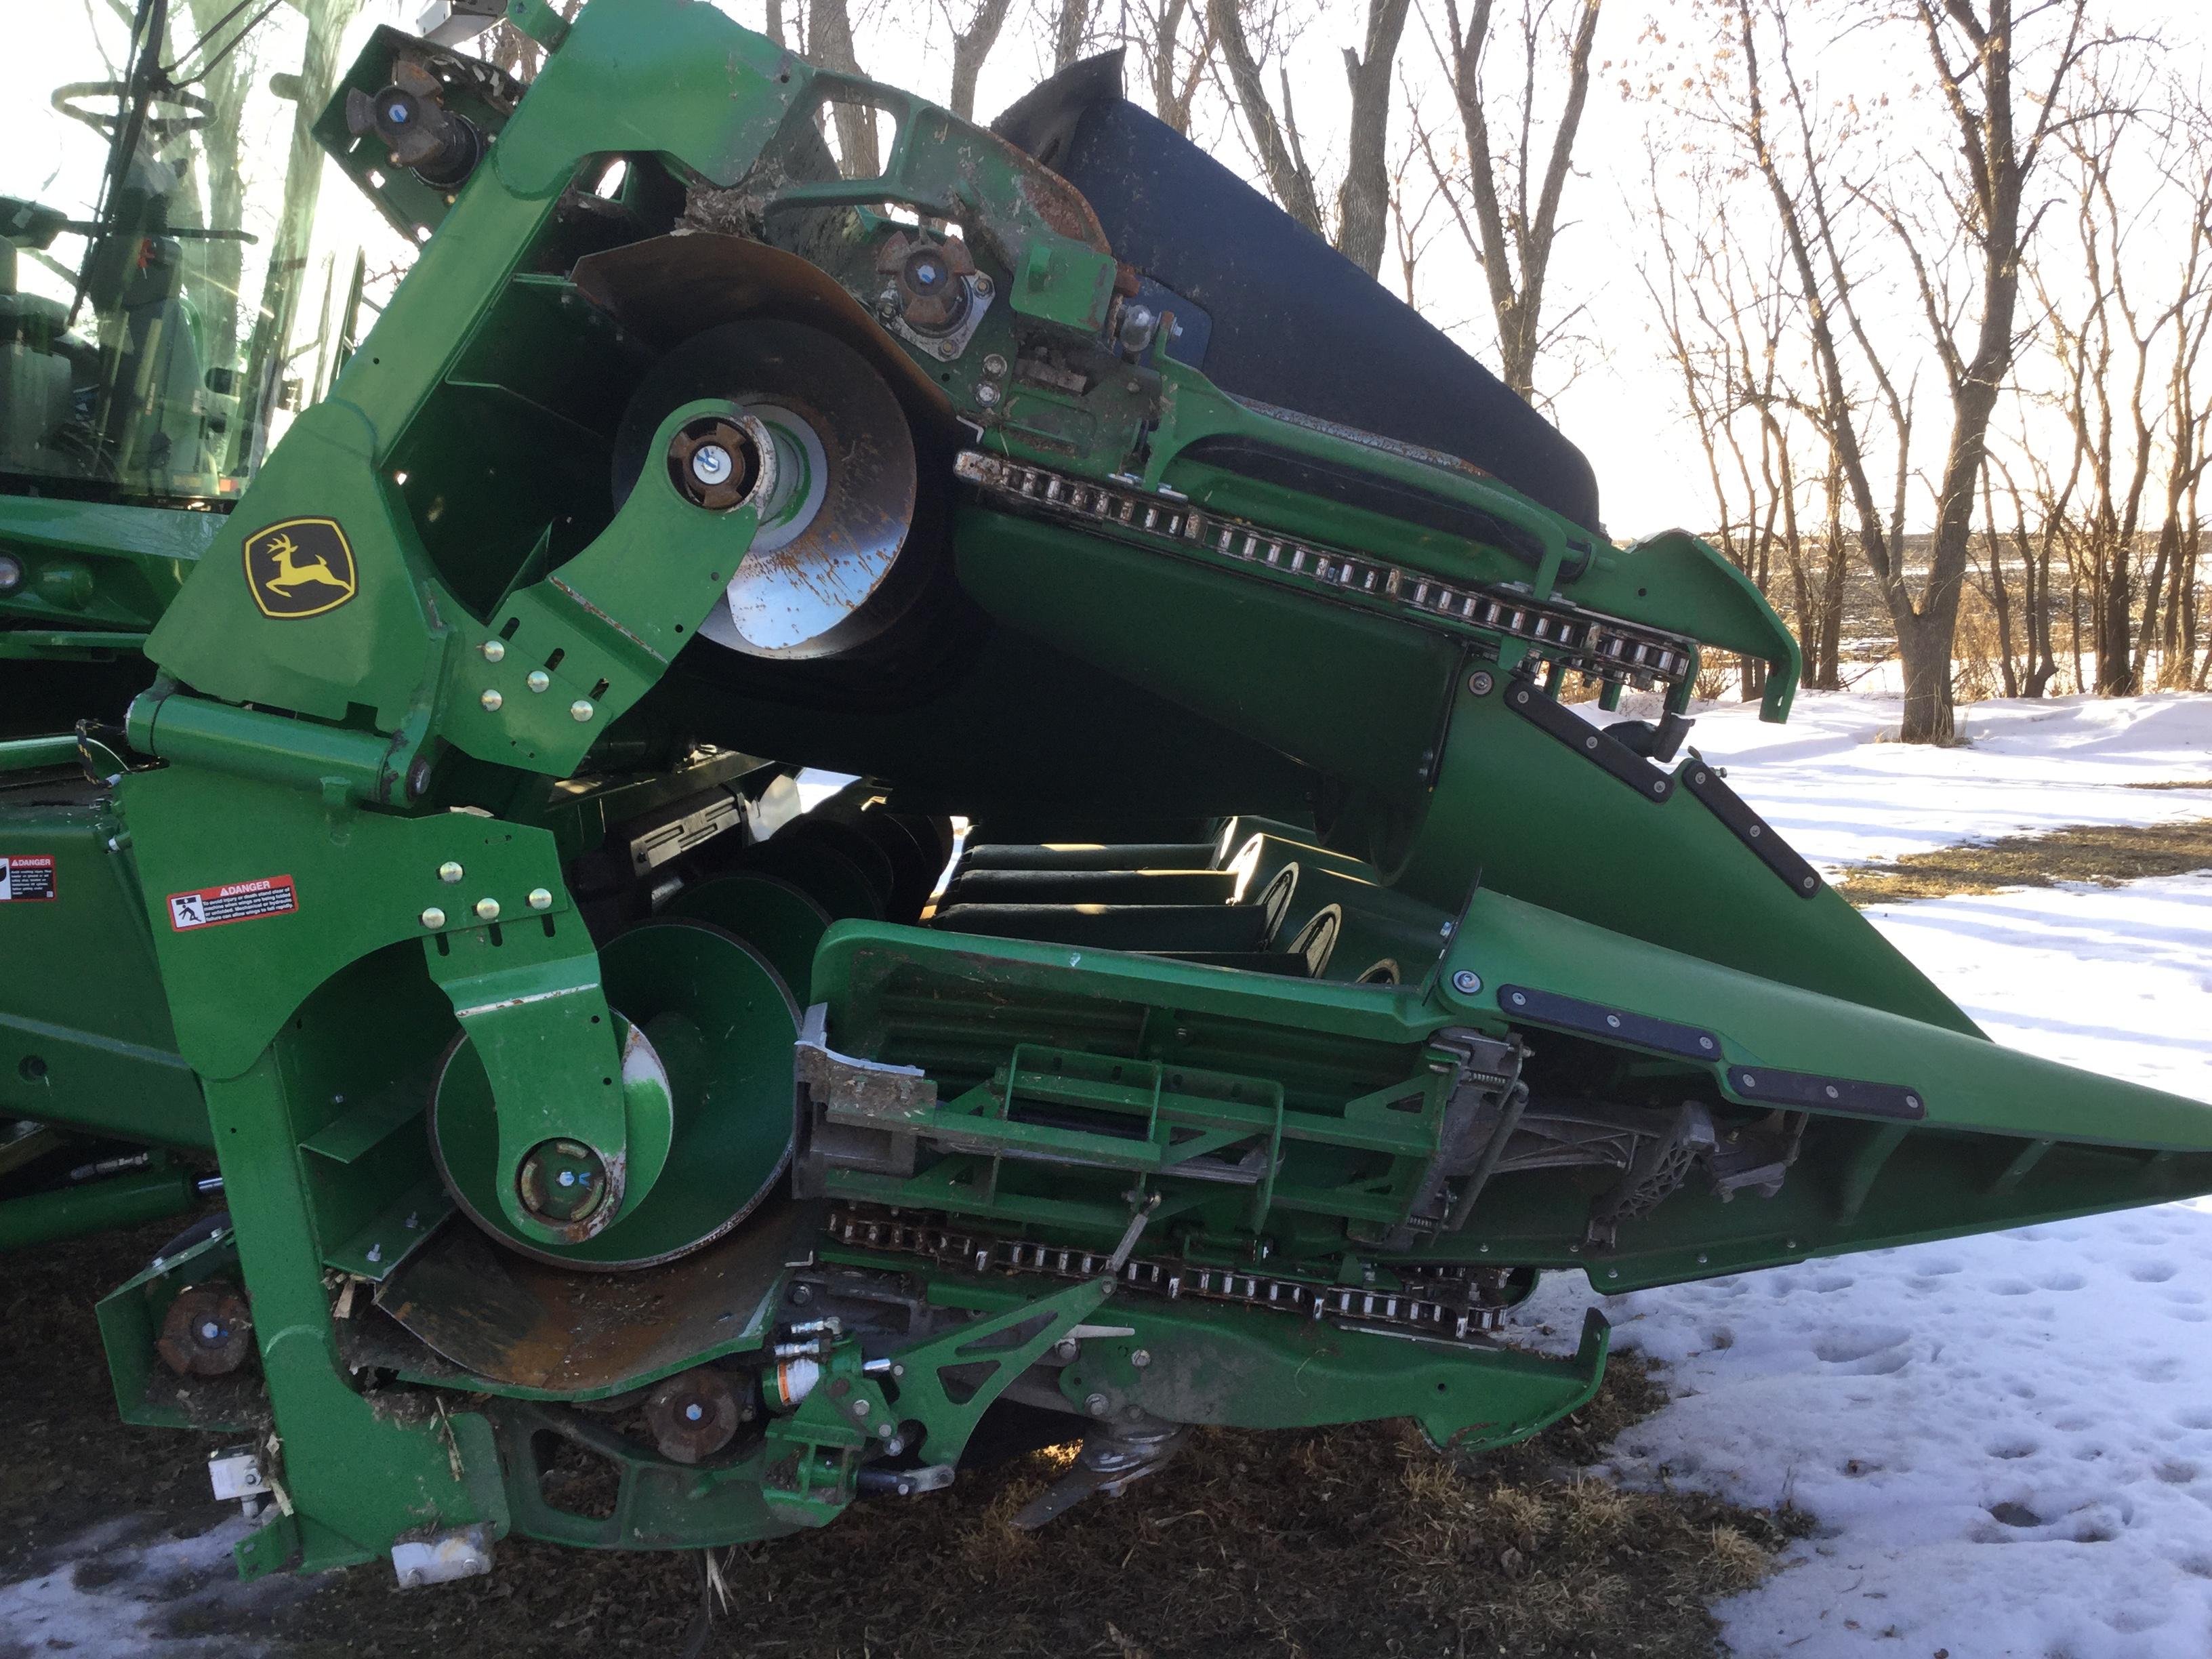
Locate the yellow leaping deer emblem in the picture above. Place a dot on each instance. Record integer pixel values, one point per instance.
(301, 567)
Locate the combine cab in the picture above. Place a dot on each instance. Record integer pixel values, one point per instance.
(852, 788)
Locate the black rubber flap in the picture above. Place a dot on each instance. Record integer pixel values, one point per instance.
(1294, 322)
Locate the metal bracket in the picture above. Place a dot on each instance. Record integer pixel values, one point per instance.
(1731, 809)
(1549, 715)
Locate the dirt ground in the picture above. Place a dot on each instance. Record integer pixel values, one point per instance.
(2107, 853)
(1352, 1541)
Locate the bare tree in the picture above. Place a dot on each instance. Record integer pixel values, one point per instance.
(1972, 50)
(970, 46)
(1362, 198)
(1290, 180)
(1174, 41)
(1070, 27)
(1511, 232)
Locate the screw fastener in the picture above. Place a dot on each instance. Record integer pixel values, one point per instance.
(1098, 1405)
(1467, 982)
(1142, 1358)
(433, 918)
(1479, 683)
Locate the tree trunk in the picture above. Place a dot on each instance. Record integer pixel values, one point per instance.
(1363, 205)
(1069, 27)
(970, 46)
(829, 40)
(1288, 179)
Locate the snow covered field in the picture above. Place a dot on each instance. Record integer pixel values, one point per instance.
(2005, 1441)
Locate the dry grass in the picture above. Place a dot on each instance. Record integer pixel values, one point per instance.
(2105, 854)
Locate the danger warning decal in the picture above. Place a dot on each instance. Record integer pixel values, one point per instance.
(239, 901)
(25, 876)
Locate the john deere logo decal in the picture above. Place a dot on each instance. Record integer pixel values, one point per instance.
(301, 567)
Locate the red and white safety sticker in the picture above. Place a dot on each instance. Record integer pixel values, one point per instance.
(27, 875)
(237, 900)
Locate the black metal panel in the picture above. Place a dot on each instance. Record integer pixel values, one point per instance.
(1615, 1025)
(1549, 714)
(1827, 1094)
(1754, 831)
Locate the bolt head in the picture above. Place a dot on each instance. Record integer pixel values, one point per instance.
(1479, 683)
(994, 364)
(580, 709)
(538, 680)
(540, 899)
(987, 394)
(449, 872)
(1098, 1405)
(491, 700)
(433, 918)
(494, 650)
(1467, 982)
(488, 909)
(711, 464)
(1142, 1358)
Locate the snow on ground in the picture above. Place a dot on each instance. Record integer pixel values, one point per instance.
(113, 1592)
(2005, 1441)
(1843, 795)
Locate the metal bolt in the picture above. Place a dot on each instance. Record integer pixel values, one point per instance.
(1749, 1081)
(1613, 1273)
(1142, 1358)
(491, 701)
(980, 284)
(994, 364)
(1613, 1020)
(488, 909)
(580, 709)
(886, 1430)
(945, 348)
(1913, 1100)
(1701, 1258)
(494, 650)
(1705, 1043)
(540, 899)
(1467, 981)
(1098, 1405)
(710, 464)
(987, 394)
(450, 873)
(538, 680)
(860, 1409)
(1479, 683)
(433, 918)
(694, 1411)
